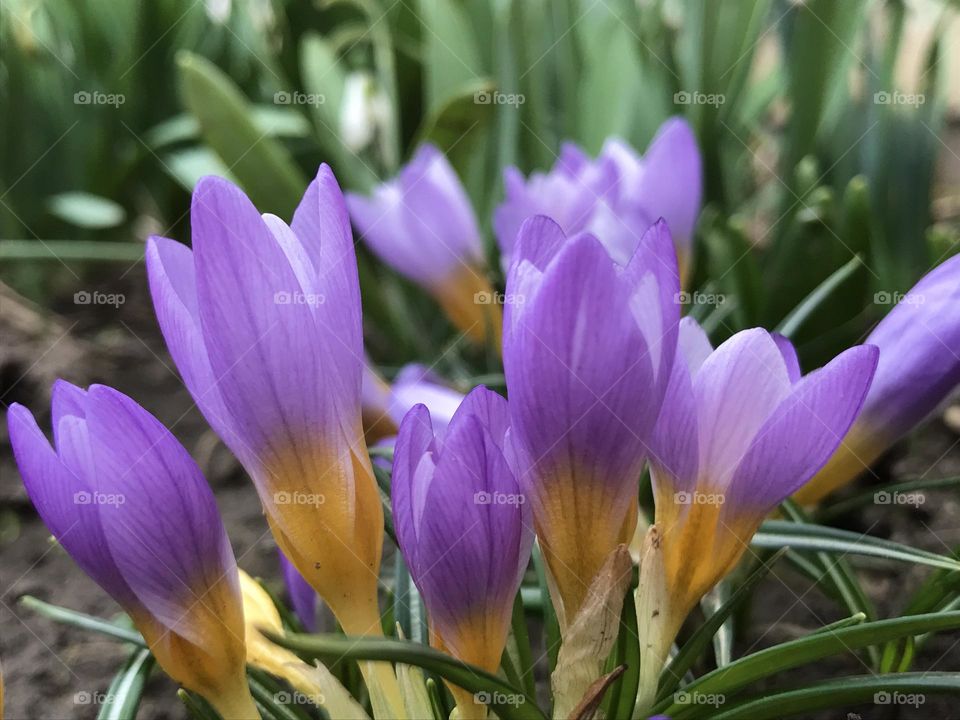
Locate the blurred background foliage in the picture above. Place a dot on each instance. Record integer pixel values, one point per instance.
(820, 142)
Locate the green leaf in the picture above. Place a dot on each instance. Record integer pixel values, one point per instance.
(521, 638)
(65, 250)
(126, 689)
(869, 497)
(841, 693)
(778, 533)
(85, 210)
(197, 707)
(673, 673)
(732, 263)
(451, 58)
(806, 650)
(855, 619)
(716, 44)
(263, 166)
(82, 620)
(550, 623)
(187, 166)
(723, 638)
(836, 573)
(630, 110)
(271, 709)
(818, 53)
(795, 319)
(508, 702)
(383, 485)
(457, 125)
(276, 121)
(620, 697)
(323, 76)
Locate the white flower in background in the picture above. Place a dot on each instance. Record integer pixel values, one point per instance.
(365, 111)
(218, 10)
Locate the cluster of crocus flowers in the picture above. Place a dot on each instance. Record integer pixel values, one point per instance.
(919, 343)
(616, 196)
(462, 526)
(588, 346)
(263, 321)
(422, 225)
(740, 430)
(130, 506)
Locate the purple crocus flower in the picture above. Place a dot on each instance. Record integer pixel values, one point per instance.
(463, 528)
(919, 343)
(416, 385)
(303, 598)
(385, 405)
(588, 346)
(422, 225)
(740, 431)
(615, 197)
(131, 507)
(263, 322)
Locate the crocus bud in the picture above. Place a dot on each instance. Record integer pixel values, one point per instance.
(588, 346)
(421, 224)
(463, 529)
(615, 197)
(740, 431)
(263, 321)
(919, 342)
(130, 506)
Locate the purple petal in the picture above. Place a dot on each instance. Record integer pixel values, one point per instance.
(629, 166)
(802, 433)
(693, 344)
(66, 400)
(490, 409)
(675, 444)
(412, 475)
(656, 281)
(65, 502)
(474, 538)
(273, 367)
(173, 285)
(462, 524)
(619, 228)
(303, 598)
(322, 225)
(415, 385)
(163, 528)
(436, 198)
(420, 223)
(737, 389)
(919, 342)
(671, 184)
(566, 197)
(579, 373)
(538, 243)
(789, 354)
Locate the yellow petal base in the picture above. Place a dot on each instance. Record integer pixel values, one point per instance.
(467, 298)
